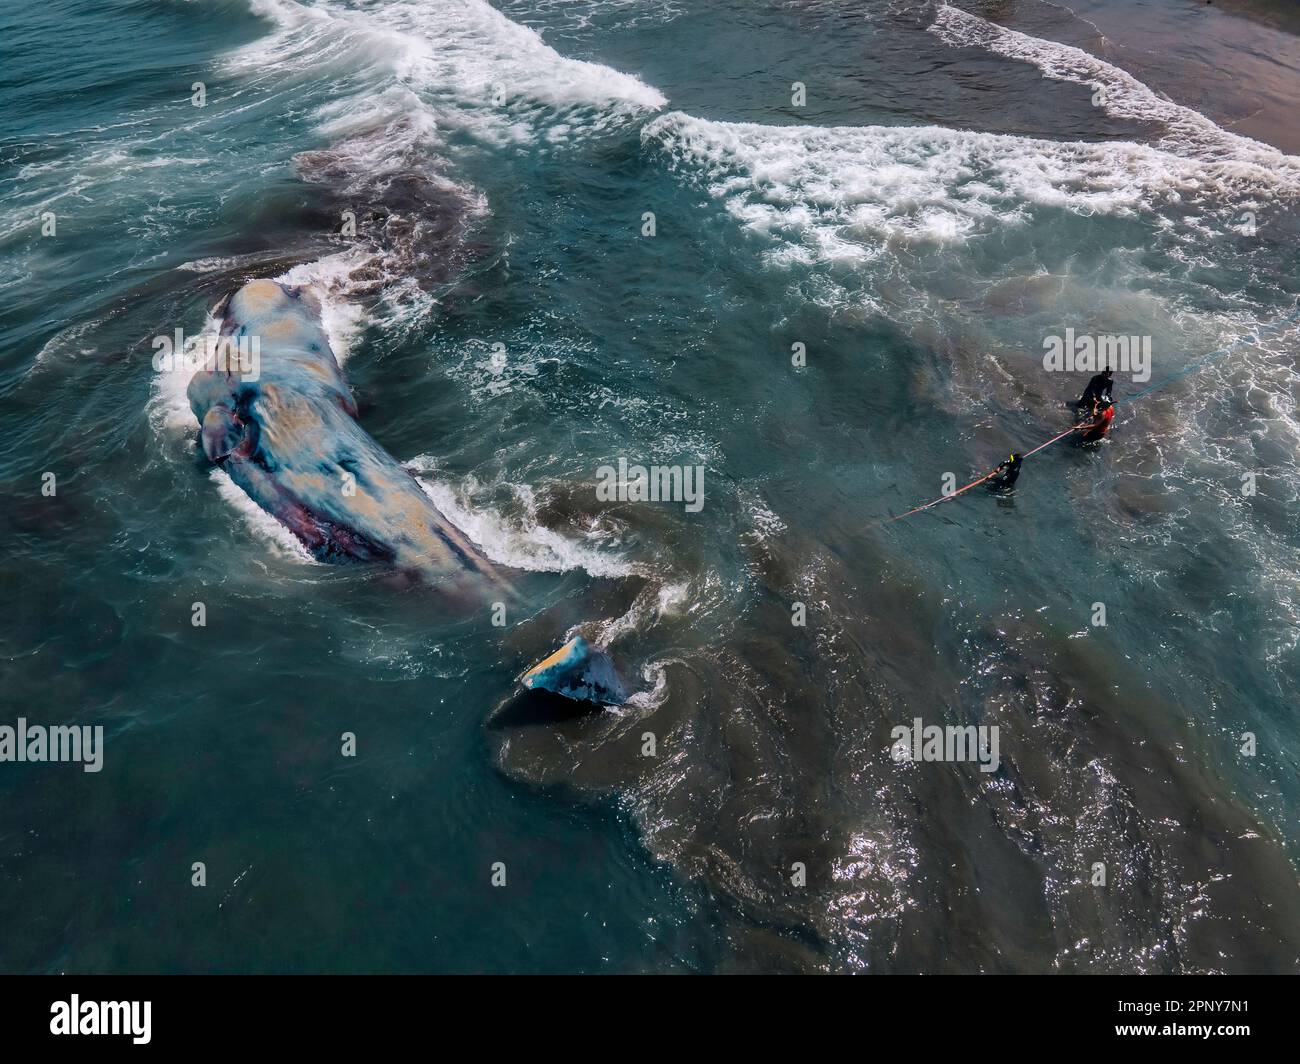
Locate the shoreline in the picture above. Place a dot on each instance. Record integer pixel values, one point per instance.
(1235, 61)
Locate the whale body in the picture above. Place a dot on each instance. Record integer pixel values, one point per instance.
(284, 426)
(286, 433)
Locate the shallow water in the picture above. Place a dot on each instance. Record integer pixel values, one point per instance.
(933, 211)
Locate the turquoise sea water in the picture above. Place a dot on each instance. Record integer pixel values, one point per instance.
(957, 185)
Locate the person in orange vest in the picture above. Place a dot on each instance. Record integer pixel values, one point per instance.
(1103, 413)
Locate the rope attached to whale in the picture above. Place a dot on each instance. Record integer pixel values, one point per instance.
(1250, 338)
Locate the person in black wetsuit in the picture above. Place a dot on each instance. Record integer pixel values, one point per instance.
(1005, 476)
(1098, 388)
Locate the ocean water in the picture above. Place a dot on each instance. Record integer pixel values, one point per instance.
(959, 183)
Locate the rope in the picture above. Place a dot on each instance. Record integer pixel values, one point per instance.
(976, 483)
(1250, 338)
